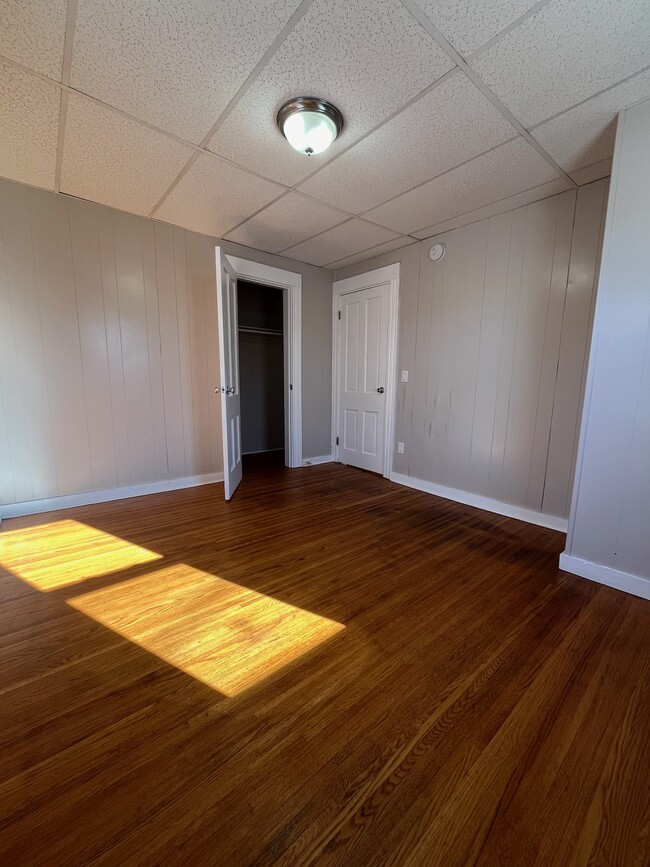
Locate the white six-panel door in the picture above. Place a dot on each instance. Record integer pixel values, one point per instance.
(229, 388)
(362, 377)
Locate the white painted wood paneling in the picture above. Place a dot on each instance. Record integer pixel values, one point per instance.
(51, 258)
(103, 349)
(609, 526)
(574, 345)
(84, 239)
(494, 337)
(109, 351)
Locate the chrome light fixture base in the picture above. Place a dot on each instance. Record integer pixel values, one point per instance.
(315, 112)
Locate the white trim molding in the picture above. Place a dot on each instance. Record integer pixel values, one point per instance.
(292, 283)
(551, 522)
(89, 498)
(625, 581)
(388, 274)
(319, 459)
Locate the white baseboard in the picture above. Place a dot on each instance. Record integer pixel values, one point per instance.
(633, 584)
(320, 459)
(552, 522)
(33, 507)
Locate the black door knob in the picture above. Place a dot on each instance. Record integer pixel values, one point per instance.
(381, 389)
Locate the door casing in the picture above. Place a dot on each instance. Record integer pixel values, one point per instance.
(290, 281)
(389, 274)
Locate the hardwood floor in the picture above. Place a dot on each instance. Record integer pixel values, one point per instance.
(329, 669)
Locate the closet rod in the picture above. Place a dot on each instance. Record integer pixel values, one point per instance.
(269, 331)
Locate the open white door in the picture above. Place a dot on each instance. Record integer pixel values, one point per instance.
(229, 388)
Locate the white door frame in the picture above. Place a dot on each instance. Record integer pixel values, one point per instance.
(246, 269)
(388, 274)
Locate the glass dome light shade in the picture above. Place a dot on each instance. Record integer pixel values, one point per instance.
(309, 132)
(309, 124)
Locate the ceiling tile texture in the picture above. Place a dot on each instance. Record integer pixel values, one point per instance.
(32, 32)
(116, 161)
(29, 109)
(168, 109)
(291, 219)
(340, 242)
(568, 51)
(175, 65)
(506, 170)
(214, 196)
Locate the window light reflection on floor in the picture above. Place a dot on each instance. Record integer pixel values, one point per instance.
(220, 633)
(63, 553)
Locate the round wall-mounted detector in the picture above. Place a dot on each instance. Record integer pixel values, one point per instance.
(437, 252)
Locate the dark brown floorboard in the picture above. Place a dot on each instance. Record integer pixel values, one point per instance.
(328, 669)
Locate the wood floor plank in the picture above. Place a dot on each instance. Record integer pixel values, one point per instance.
(471, 704)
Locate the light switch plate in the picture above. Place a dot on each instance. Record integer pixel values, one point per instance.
(405, 376)
(400, 448)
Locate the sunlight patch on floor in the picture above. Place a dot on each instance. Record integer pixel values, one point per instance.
(62, 553)
(224, 635)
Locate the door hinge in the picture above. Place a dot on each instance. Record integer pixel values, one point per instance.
(339, 314)
(337, 441)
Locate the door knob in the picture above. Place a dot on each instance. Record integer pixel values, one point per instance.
(380, 390)
(230, 389)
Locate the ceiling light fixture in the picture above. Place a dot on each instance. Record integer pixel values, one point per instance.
(309, 124)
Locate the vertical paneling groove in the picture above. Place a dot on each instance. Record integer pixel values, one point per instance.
(421, 329)
(551, 351)
(52, 265)
(114, 345)
(7, 493)
(154, 349)
(135, 355)
(198, 357)
(182, 324)
(11, 485)
(492, 318)
(7, 350)
(94, 351)
(166, 277)
(506, 361)
(574, 346)
(27, 402)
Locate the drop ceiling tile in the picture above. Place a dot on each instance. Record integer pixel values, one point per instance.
(585, 134)
(452, 123)
(508, 169)
(388, 247)
(564, 53)
(368, 57)
(340, 242)
(175, 65)
(214, 196)
(32, 33)
(111, 159)
(29, 108)
(510, 203)
(286, 222)
(469, 25)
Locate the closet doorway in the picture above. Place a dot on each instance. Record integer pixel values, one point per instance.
(230, 272)
(262, 356)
